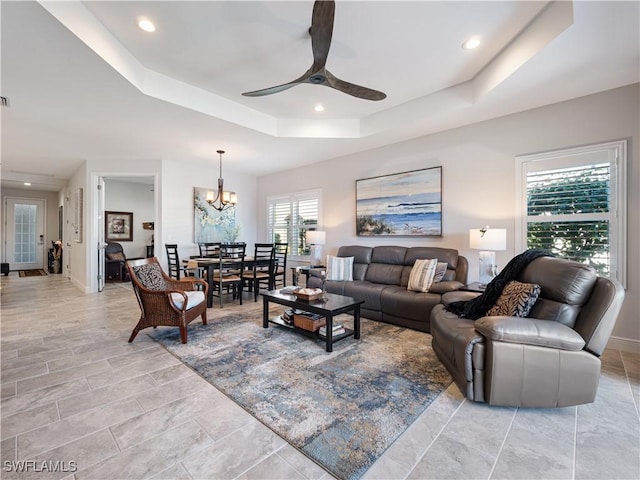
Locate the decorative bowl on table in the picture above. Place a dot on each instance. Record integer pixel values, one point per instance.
(308, 294)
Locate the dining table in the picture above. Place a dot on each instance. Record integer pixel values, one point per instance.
(209, 265)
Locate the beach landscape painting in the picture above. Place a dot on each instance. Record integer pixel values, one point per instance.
(407, 203)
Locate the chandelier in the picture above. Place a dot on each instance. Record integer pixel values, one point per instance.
(224, 199)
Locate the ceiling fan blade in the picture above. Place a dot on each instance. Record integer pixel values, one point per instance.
(321, 31)
(270, 90)
(353, 89)
(304, 78)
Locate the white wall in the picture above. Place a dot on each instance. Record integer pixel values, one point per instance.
(177, 209)
(137, 198)
(75, 254)
(479, 179)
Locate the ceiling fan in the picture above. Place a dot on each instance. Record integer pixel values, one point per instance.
(321, 31)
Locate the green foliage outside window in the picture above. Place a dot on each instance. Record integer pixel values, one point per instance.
(577, 192)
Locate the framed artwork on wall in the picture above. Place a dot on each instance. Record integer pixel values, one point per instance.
(118, 226)
(401, 204)
(210, 225)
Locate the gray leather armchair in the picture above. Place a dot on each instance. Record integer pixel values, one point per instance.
(548, 359)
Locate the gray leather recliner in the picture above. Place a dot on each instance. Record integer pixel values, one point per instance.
(548, 359)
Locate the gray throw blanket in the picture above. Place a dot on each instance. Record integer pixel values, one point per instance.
(478, 307)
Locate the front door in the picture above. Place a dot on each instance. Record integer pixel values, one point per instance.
(24, 236)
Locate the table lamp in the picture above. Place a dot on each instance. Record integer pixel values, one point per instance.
(315, 239)
(489, 241)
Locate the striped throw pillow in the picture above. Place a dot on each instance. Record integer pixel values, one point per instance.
(421, 276)
(340, 268)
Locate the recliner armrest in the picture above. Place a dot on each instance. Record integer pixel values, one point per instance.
(530, 331)
(445, 286)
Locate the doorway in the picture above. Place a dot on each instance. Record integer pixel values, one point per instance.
(132, 194)
(24, 234)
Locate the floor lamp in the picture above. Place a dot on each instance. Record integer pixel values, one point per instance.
(488, 241)
(315, 239)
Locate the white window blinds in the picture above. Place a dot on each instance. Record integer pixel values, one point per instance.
(573, 202)
(290, 216)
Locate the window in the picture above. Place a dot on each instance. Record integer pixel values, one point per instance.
(290, 216)
(573, 203)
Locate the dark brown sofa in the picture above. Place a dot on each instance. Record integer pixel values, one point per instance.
(380, 277)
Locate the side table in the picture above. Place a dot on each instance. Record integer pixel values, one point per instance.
(305, 271)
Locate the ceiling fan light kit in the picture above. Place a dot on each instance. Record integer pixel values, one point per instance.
(321, 32)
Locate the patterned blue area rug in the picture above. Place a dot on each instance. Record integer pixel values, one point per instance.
(342, 409)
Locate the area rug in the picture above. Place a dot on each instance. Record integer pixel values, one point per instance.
(32, 273)
(343, 409)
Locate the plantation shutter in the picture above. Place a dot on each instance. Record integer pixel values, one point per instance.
(290, 216)
(573, 203)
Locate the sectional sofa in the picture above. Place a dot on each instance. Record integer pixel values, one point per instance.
(381, 275)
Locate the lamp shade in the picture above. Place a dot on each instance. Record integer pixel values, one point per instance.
(494, 239)
(315, 237)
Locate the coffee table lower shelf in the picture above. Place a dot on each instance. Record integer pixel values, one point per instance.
(330, 306)
(279, 321)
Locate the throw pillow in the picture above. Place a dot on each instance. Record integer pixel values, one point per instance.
(421, 276)
(119, 256)
(441, 269)
(340, 268)
(150, 276)
(516, 300)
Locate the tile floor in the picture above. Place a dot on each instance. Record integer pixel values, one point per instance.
(76, 393)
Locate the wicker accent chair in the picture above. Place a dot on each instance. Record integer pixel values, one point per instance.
(164, 301)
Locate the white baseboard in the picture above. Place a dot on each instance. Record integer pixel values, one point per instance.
(624, 344)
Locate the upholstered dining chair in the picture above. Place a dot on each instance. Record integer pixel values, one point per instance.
(263, 268)
(280, 266)
(164, 301)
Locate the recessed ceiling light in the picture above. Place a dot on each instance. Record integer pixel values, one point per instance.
(319, 108)
(472, 43)
(146, 25)
(28, 184)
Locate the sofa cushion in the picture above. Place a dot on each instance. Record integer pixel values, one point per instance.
(384, 273)
(367, 291)
(441, 270)
(448, 255)
(561, 280)
(340, 268)
(422, 274)
(361, 258)
(516, 300)
(408, 304)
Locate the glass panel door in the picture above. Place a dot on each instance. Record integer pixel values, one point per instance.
(25, 234)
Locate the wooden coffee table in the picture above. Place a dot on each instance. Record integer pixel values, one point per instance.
(330, 306)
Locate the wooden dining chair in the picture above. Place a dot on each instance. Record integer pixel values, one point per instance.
(280, 266)
(209, 249)
(263, 268)
(173, 260)
(229, 272)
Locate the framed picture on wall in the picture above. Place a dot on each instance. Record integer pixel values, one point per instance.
(401, 204)
(118, 226)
